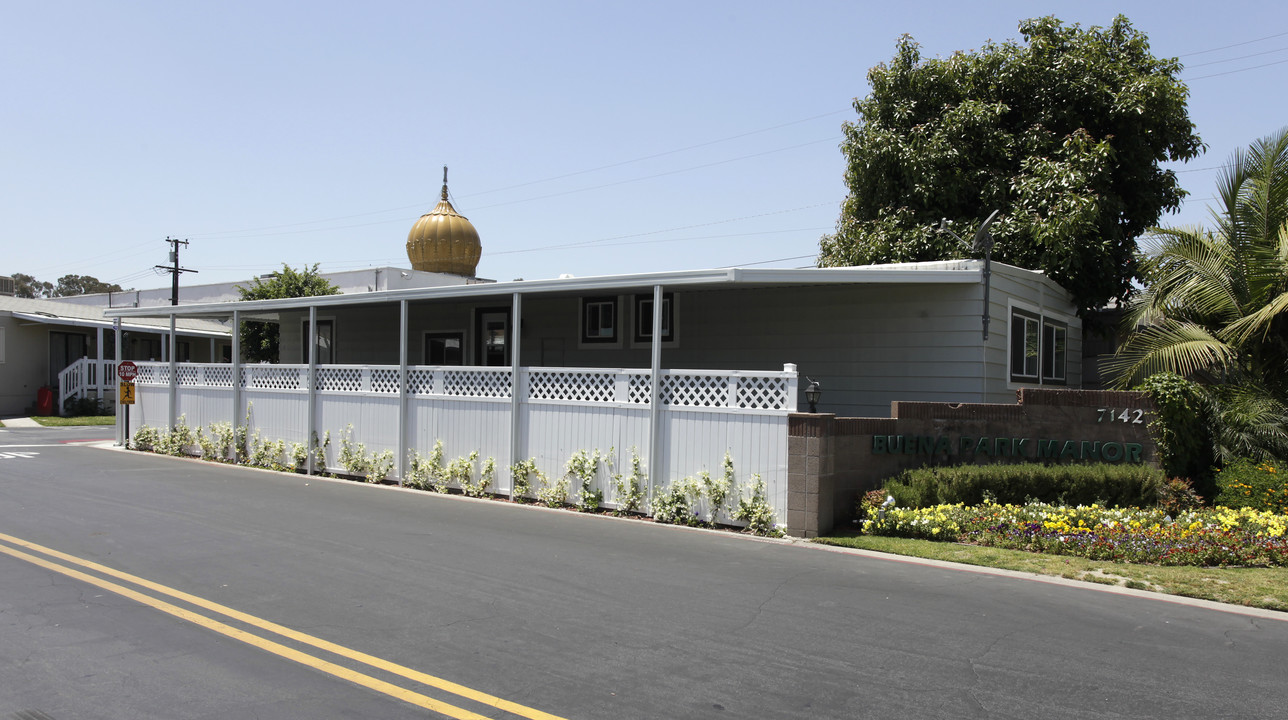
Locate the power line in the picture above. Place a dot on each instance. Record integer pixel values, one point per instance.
(584, 243)
(518, 185)
(1231, 72)
(1238, 44)
(1241, 57)
(658, 175)
(658, 155)
(551, 195)
(766, 262)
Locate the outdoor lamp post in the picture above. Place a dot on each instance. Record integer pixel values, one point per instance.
(813, 394)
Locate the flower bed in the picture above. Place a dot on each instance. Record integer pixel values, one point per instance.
(1221, 536)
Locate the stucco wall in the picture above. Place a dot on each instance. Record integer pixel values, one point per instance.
(25, 364)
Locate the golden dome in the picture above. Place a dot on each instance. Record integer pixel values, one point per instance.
(443, 240)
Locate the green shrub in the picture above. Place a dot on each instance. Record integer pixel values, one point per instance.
(630, 488)
(85, 407)
(1249, 484)
(1183, 429)
(671, 505)
(755, 510)
(1122, 485)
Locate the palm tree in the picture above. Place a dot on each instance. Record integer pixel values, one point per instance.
(1215, 304)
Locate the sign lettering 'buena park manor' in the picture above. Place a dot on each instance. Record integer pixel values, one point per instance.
(1001, 447)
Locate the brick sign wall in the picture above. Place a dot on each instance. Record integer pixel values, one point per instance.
(832, 460)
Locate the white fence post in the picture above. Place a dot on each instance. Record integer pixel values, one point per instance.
(793, 386)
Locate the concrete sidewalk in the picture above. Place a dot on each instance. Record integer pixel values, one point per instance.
(20, 422)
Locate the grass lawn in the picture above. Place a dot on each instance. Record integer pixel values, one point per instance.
(81, 420)
(1253, 587)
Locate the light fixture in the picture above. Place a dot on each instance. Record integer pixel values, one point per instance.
(813, 394)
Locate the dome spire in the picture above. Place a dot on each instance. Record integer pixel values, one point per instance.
(443, 240)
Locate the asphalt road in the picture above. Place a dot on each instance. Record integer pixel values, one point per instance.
(553, 611)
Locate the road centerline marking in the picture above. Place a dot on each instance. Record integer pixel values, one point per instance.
(270, 645)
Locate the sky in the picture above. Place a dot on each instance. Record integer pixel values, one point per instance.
(583, 138)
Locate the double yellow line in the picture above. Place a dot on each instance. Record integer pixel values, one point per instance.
(358, 678)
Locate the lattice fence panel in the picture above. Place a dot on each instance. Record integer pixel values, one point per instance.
(420, 382)
(695, 390)
(153, 375)
(188, 375)
(221, 376)
(762, 393)
(641, 388)
(476, 383)
(267, 377)
(580, 386)
(384, 380)
(339, 379)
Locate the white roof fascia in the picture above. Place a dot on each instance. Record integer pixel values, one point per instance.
(957, 271)
(80, 322)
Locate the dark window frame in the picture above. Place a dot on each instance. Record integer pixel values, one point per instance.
(595, 306)
(644, 319)
(450, 335)
(1055, 352)
(329, 337)
(1025, 348)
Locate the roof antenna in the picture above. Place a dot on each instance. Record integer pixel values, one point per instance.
(983, 244)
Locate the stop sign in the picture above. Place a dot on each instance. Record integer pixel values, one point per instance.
(127, 370)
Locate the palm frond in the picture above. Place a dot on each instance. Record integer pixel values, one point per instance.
(1257, 323)
(1184, 348)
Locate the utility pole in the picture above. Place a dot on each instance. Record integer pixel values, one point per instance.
(174, 268)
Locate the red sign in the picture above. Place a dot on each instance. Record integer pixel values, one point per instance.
(127, 370)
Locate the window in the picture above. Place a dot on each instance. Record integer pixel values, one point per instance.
(1024, 347)
(1038, 349)
(599, 320)
(644, 318)
(444, 348)
(326, 342)
(1053, 343)
(492, 334)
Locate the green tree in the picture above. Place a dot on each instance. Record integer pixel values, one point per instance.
(1064, 134)
(69, 285)
(259, 340)
(1215, 305)
(26, 286)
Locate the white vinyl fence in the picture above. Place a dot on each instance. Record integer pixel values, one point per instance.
(703, 415)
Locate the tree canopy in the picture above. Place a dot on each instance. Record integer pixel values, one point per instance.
(27, 286)
(260, 340)
(1215, 305)
(1063, 133)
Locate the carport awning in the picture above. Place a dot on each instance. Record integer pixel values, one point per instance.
(951, 271)
(185, 328)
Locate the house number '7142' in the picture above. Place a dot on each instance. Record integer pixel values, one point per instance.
(1127, 416)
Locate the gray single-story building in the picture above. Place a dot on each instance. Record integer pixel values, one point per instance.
(40, 339)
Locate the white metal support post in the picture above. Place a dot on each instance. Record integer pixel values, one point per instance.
(312, 374)
(120, 426)
(402, 390)
(655, 397)
(237, 369)
(100, 382)
(174, 378)
(517, 388)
